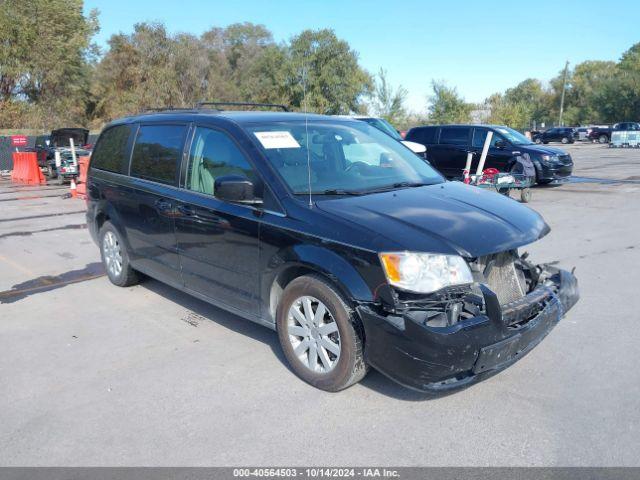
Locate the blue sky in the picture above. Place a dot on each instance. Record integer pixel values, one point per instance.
(478, 47)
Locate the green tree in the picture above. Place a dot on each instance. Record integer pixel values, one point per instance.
(334, 81)
(446, 106)
(510, 111)
(46, 57)
(388, 102)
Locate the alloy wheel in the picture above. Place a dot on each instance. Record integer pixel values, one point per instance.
(112, 253)
(314, 335)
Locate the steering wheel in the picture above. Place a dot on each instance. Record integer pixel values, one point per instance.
(356, 165)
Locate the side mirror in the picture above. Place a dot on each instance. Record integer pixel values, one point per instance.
(414, 147)
(500, 144)
(235, 188)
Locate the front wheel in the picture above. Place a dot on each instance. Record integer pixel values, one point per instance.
(565, 140)
(538, 141)
(319, 335)
(603, 139)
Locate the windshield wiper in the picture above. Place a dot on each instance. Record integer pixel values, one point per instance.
(396, 186)
(332, 191)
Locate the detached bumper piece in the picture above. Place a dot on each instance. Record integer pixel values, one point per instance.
(409, 349)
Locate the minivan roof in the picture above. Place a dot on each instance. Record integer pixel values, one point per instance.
(462, 125)
(240, 117)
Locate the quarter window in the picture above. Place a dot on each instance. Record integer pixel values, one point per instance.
(157, 152)
(213, 154)
(454, 136)
(111, 153)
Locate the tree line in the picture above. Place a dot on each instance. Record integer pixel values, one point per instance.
(52, 74)
(597, 92)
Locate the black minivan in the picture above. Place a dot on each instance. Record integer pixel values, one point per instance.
(447, 147)
(327, 230)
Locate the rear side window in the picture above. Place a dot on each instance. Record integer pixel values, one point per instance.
(157, 153)
(111, 153)
(424, 135)
(454, 136)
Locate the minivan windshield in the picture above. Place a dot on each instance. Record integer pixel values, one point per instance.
(514, 137)
(345, 158)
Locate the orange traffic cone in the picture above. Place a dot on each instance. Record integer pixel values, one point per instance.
(73, 188)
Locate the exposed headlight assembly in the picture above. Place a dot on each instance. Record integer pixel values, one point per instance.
(424, 272)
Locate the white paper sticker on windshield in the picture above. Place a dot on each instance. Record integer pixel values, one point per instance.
(277, 139)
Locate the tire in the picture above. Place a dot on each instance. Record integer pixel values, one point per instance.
(112, 249)
(565, 140)
(603, 139)
(328, 371)
(51, 173)
(538, 141)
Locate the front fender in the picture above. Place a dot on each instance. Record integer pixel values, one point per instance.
(334, 266)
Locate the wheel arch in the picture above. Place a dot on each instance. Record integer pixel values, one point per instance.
(306, 260)
(107, 213)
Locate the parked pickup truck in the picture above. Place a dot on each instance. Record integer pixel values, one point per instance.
(603, 134)
(59, 140)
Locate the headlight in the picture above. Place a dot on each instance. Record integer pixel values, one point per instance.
(424, 272)
(549, 158)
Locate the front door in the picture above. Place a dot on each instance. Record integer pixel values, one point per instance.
(499, 154)
(218, 240)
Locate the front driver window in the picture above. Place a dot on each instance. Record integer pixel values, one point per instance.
(213, 154)
(480, 135)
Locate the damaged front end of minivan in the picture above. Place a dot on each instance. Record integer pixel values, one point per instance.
(461, 334)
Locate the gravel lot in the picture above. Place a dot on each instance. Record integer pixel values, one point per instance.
(95, 375)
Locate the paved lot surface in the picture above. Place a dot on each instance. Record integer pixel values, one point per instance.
(91, 374)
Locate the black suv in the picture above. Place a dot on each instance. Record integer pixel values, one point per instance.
(330, 232)
(447, 147)
(557, 134)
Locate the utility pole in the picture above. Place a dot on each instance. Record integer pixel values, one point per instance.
(564, 87)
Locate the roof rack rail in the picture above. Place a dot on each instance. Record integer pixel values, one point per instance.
(165, 109)
(242, 104)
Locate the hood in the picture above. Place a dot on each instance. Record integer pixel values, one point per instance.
(539, 149)
(448, 218)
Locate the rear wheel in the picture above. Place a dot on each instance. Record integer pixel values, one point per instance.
(319, 335)
(603, 139)
(538, 141)
(115, 257)
(565, 140)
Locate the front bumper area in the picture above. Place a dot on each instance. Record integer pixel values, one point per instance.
(554, 172)
(441, 359)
